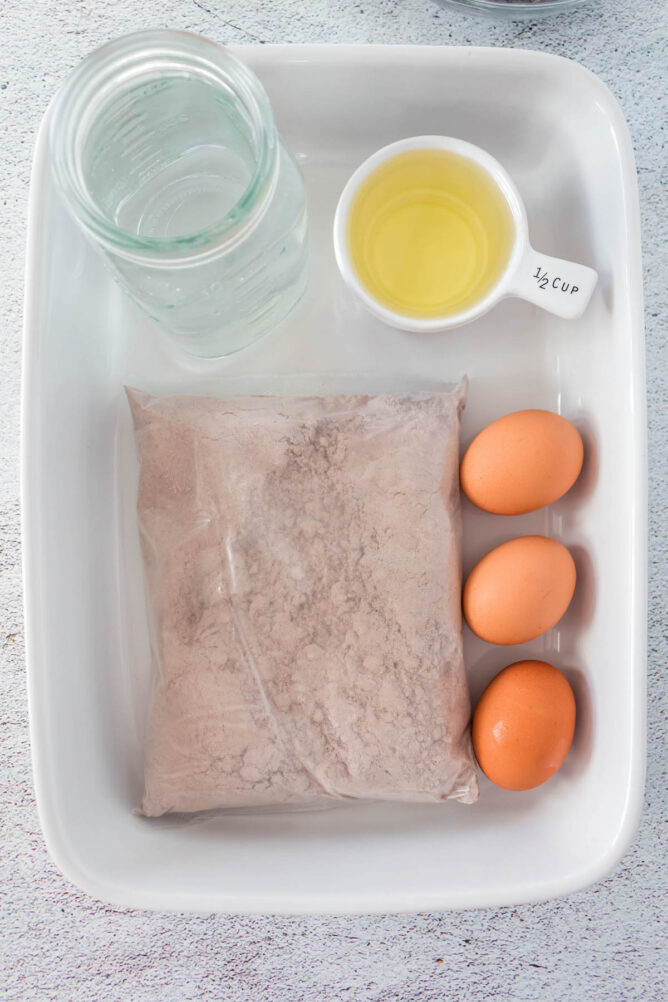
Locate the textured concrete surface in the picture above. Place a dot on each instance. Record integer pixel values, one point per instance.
(604, 943)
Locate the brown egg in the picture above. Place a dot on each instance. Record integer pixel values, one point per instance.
(522, 462)
(519, 590)
(523, 725)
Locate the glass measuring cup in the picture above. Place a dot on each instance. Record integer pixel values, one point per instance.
(165, 149)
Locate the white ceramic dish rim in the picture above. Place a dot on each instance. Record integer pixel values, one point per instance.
(56, 839)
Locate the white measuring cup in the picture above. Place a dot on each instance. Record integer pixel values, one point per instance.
(560, 287)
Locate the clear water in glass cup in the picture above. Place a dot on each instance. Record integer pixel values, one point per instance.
(165, 148)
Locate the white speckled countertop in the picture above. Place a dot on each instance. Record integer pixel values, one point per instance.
(604, 943)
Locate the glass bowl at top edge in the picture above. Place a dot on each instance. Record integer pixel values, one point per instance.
(512, 9)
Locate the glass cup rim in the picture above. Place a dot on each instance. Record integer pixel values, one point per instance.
(126, 60)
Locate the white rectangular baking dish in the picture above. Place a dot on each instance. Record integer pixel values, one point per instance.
(561, 135)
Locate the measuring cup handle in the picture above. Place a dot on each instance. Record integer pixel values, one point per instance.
(560, 287)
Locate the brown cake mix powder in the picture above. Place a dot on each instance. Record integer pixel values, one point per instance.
(303, 572)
